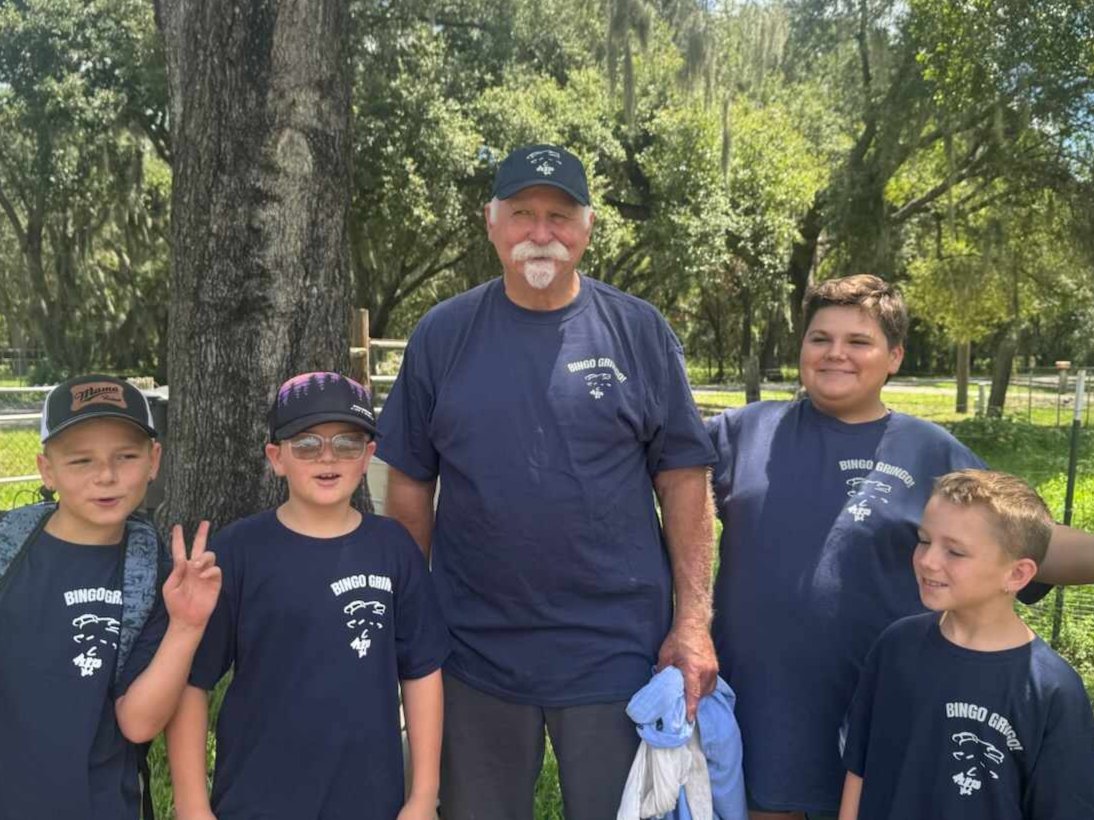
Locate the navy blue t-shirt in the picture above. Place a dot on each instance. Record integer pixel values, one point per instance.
(62, 755)
(546, 429)
(820, 523)
(320, 631)
(944, 732)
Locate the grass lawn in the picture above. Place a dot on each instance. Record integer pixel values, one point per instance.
(18, 446)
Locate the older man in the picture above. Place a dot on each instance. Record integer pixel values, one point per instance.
(552, 407)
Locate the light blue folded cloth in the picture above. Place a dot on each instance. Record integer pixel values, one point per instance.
(660, 712)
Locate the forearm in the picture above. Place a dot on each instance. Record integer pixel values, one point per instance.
(852, 795)
(410, 502)
(1070, 558)
(687, 517)
(152, 698)
(186, 740)
(423, 706)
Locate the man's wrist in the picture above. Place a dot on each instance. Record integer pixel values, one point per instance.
(695, 617)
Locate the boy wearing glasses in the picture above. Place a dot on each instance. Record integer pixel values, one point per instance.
(962, 712)
(324, 612)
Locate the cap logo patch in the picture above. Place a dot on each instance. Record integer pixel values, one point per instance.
(364, 411)
(545, 162)
(97, 393)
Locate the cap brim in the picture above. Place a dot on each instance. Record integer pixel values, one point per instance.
(290, 429)
(516, 187)
(72, 422)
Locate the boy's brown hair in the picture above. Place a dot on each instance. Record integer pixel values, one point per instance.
(871, 293)
(1019, 516)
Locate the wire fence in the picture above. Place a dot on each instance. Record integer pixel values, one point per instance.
(20, 415)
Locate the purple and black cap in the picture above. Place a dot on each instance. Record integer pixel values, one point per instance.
(313, 398)
(94, 397)
(541, 165)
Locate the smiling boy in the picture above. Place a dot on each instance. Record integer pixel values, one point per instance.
(92, 658)
(325, 613)
(963, 713)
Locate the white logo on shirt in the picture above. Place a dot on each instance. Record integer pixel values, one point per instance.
(860, 511)
(868, 492)
(599, 382)
(93, 633)
(978, 757)
(367, 617)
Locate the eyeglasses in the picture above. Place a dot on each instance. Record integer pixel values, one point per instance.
(344, 446)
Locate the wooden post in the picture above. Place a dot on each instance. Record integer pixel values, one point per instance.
(963, 355)
(360, 367)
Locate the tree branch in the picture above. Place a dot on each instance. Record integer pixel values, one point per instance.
(13, 217)
(973, 161)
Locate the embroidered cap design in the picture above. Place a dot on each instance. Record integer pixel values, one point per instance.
(96, 393)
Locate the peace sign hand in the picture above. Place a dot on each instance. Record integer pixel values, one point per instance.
(191, 590)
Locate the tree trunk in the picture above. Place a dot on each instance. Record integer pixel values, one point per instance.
(800, 267)
(259, 96)
(750, 363)
(964, 353)
(1000, 377)
(769, 361)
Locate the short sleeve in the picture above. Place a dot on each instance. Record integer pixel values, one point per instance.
(1061, 785)
(720, 431)
(421, 637)
(216, 652)
(680, 440)
(144, 647)
(404, 440)
(854, 734)
(1033, 592)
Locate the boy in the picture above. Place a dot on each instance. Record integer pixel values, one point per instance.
(962, 712)
(323, 612)
(81, 677)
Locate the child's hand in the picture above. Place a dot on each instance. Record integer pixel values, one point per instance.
(203, 814)
(419, 808)
(191, 590)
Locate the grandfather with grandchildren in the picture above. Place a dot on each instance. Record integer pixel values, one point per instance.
(555, 412)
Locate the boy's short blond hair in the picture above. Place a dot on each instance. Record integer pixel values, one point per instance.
(871, 293)
(1019, 515)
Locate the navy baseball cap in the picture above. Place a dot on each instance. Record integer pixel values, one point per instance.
(541, 165)
(313, 398)
(94, 397)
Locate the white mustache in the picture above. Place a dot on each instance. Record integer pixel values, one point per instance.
(530, 250)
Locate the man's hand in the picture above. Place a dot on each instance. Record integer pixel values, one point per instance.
(191, 590)
(690, 649)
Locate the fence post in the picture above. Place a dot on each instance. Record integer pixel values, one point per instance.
(981, 403)
(360, 366)
(1029, 408)
(1069, 494)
